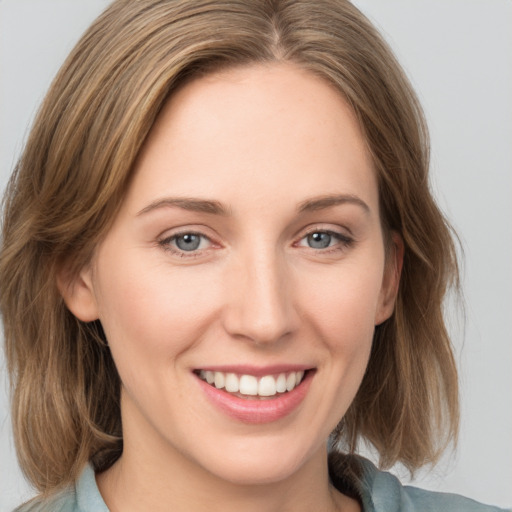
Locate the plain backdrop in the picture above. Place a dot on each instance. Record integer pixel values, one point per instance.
(458, 55)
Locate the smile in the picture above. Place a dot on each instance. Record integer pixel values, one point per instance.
(251, 386)
(255, 395)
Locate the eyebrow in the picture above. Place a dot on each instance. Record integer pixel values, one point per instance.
(216, 208)
(320, 203)
(187, 203)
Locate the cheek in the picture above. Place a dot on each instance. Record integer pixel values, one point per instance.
(342, 305)
(339, 313)
(152, 312)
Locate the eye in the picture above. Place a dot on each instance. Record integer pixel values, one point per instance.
(319, 240)
(186, 242)
(324, 240)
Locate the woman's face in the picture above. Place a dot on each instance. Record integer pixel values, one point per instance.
(248, 254)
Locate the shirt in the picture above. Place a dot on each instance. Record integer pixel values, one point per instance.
(379, 491)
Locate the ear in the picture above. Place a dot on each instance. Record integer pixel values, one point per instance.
(78, 293)
(391, 279)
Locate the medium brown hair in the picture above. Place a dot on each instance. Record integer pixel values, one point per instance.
(72, 175)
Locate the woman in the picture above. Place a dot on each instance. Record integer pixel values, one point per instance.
(221, 249)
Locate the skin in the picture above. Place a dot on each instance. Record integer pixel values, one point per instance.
(261, 141)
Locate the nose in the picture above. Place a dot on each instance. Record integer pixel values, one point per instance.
(260, 305)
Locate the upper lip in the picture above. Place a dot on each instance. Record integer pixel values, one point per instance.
(257, 371)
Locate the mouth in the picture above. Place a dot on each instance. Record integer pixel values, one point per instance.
(254, 395)
(252, 387)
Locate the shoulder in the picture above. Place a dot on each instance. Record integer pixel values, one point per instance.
(84, 496)
(382, 492)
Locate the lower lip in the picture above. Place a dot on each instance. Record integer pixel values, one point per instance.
(257, 411)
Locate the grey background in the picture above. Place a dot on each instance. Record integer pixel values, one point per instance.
(458, 54)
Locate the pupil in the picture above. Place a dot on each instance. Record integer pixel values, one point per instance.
(319, 240)
(188, 242)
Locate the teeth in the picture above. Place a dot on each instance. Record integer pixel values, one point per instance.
(290, 381)
(232, 384)
(281, 383)
(219, 380)
(248, 385)
(268, 385)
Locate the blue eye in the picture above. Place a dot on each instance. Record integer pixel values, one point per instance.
(325, 239)
(187, 242)
(319, 240)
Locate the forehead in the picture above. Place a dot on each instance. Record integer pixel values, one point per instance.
(261, 129)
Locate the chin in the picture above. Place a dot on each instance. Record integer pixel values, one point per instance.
(246, 472)
(259, 465)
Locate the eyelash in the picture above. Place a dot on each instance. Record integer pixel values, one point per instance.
(343, 242)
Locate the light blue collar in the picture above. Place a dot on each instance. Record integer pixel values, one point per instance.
(88, 495)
